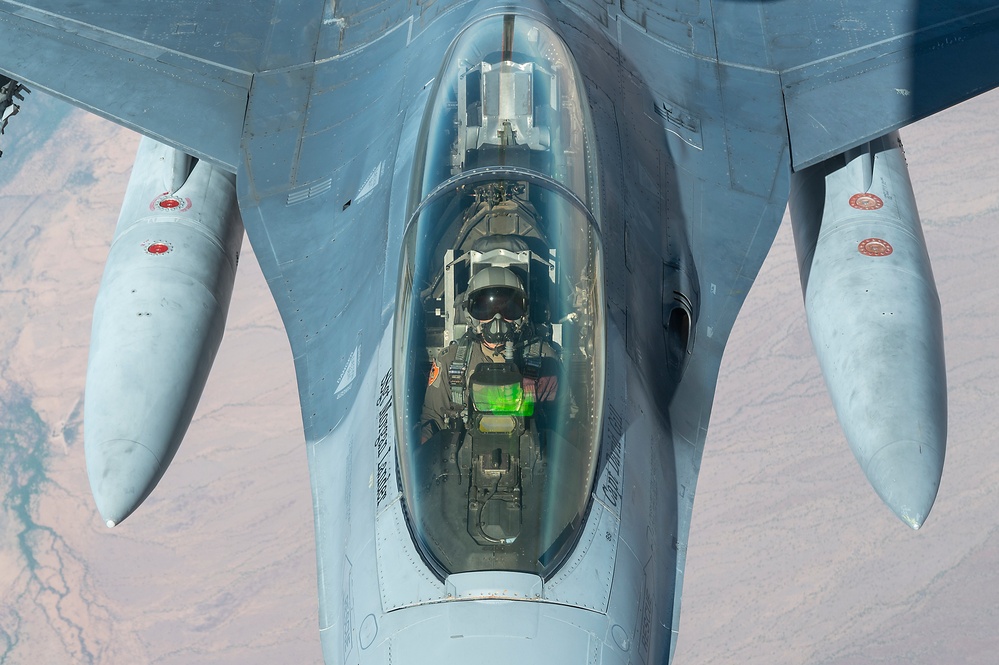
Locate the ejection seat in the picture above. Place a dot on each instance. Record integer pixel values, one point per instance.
(500, 251)
(504, 105)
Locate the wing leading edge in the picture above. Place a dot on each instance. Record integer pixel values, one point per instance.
(180, 71)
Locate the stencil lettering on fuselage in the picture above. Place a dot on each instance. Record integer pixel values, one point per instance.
(610, 482)
(382, 448)
(644, 628)
(348, 611)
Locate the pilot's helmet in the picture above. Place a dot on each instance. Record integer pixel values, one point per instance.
(496, 304)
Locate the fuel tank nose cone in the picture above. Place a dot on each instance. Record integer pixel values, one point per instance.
(122, 473)
(906, 475)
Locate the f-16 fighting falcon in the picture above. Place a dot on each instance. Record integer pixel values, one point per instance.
(508, 241)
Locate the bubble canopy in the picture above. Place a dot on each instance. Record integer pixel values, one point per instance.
(499, 420)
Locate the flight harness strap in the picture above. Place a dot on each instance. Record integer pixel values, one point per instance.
(532, 360)
(457, 369)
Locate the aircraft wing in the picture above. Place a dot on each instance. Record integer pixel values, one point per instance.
(853, 70)
(850, 70)
(179, 71)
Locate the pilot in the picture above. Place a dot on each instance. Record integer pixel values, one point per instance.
(496, 309)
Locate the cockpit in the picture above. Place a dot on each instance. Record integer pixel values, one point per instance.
(500, 333)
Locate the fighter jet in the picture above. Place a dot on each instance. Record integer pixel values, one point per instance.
(508, 241)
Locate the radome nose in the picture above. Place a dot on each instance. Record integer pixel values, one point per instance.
(906, 475)
(122, 474)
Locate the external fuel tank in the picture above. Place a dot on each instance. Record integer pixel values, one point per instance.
(158, 321)
(874, 318)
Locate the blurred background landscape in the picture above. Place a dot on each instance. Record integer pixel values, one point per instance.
(792, 557)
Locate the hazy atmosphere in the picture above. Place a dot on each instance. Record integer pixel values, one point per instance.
(792, 557)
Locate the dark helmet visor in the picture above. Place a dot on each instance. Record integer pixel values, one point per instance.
(503, 300)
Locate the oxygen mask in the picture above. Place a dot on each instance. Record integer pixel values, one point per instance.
(498, 330)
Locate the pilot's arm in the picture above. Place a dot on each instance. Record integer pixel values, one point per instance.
(437, 403)
(544, 374)
(549, 385)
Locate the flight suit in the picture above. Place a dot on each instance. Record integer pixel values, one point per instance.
(438, 407)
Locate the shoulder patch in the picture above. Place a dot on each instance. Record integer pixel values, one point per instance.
(435, 371)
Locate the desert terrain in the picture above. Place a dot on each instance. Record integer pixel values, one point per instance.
(792, 557)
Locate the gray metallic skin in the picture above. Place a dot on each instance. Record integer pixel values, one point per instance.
(875, 319)
(701, 111)
(660, 373)
(158, 321)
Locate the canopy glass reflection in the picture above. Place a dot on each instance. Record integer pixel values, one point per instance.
(500, 329)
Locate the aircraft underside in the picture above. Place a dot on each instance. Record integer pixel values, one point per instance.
(509, 243)
(548, 454)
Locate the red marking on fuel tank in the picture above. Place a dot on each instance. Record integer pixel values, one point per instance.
(167, 202)
(874, 247)
(865, 201)
(158, 248)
